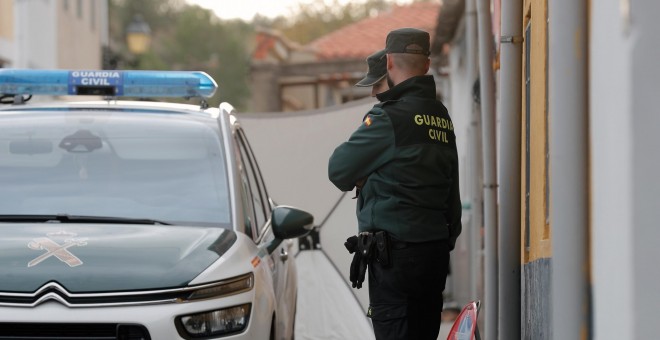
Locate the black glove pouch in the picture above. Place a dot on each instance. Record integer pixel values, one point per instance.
(383, 248)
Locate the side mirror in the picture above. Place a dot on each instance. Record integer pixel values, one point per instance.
(289, 222)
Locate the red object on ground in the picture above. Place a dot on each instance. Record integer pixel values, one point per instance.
(465, 326)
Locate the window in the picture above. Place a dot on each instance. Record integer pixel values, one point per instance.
(257, 189)
(174, 173)
(246, 197)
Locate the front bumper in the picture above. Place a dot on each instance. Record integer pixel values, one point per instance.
(159, 320)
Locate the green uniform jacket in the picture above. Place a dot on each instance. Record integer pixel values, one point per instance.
(406, 150)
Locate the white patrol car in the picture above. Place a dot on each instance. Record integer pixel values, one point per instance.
(136, 219)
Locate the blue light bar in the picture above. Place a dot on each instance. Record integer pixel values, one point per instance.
(142, 84)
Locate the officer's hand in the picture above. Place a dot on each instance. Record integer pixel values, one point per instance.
(351, 244)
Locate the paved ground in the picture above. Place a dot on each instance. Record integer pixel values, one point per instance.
(445, 327)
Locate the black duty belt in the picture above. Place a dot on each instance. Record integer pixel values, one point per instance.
(368, 247)
(398, 244)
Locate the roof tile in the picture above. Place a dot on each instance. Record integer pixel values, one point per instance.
(360, 39)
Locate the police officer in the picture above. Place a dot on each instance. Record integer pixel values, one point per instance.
(376, 72)
(405, 148)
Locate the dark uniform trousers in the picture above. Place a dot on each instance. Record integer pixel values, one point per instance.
(406, 297)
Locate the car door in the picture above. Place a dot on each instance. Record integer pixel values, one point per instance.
(281, 263)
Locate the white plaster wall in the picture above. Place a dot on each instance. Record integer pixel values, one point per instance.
(645, 75)
(7, 50)
(35, 30)
(48, 37)
(625, 163)
(460, 106)
(611, 173)
(7, 32)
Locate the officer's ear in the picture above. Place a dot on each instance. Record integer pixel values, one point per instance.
(390, 62)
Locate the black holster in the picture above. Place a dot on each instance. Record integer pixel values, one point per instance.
(366, 248)
(383, 248)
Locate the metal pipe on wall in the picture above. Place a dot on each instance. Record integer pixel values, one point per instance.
(489, 162)
(509, 169)
(476, 188)
(569, 155)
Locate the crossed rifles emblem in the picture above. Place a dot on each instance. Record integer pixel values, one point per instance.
(61, 251)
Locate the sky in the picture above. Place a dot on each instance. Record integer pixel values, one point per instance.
(246, 9)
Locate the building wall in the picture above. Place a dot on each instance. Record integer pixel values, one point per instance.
(536, 245)
(35, 33)
(49, 34)
(7, 20)
(304, 85)
(535, 301)
(264, 88)
(624, 88)
(80, 27)
(458, 97)
(622, 273)
(535, 143)
(6, 31)
(645, 140)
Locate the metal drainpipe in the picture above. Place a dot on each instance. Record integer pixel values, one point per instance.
(569, 155)
(509, 169)
(476, 189)
(489, 160)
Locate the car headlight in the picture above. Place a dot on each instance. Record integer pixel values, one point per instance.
(228, 287)
(219, 322)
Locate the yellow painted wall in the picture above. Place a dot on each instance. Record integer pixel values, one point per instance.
(7, 20)
(80, 33)
(540, 233)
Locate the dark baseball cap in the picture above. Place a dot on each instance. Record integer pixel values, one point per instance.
(408, 40)
(377, 64)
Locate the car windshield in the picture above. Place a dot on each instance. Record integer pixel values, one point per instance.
(164, 167)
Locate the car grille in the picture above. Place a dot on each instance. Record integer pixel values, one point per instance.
(53, 291)
(58, 293)
(73, 331)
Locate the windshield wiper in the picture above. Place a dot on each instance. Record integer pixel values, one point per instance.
(64, 218)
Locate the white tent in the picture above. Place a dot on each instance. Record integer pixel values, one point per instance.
(327, 309)
(293, 151)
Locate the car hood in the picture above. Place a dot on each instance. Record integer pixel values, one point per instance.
(106, 257)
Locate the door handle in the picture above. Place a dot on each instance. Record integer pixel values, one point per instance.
(284, 255)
